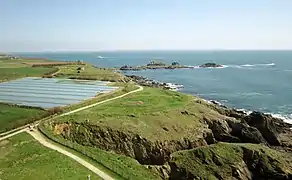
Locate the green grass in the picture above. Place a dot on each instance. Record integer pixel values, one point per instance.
(218, 159)
(19, 68)
(152, 113)
(7, 74)
(90, 72)
(22, 157)
(118, 166)
(16, 63)
(12, 116)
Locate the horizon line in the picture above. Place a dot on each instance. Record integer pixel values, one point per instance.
(142, 50)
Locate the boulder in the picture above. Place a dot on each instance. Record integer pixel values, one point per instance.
(274, 130)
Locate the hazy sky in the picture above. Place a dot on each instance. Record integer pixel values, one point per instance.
(43, 25)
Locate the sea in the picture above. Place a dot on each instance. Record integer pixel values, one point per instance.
(248, 80)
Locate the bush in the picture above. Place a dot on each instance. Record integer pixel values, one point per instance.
(54, 110)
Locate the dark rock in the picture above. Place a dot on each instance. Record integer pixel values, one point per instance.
(163, 170)
(231, 161)
(263, 166)
(246, 133)
(213, 65)
(185, 112)
(234, 131)
(274, 130)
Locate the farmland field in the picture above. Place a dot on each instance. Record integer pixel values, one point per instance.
(22, 157)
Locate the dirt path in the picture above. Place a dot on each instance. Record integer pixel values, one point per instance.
(38, 136)
(12, 134)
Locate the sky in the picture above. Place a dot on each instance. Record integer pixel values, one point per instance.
(106, 25)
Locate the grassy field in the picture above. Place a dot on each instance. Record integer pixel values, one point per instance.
(7, 74)
(14, 69)
(22, 157)
(90, 72)
(152, 113)
(13, 116)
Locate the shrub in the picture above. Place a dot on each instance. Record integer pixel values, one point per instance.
(54, 110)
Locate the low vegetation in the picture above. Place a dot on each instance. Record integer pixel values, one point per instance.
(22, 157)
(13, 116)
(7, 74)
(89, 72)
(152, 113)
(11, 69)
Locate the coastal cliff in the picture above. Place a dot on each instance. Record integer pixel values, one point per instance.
(176, 136)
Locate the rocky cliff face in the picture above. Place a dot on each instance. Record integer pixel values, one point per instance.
(274, 130)
(231, 161)
(132, 145)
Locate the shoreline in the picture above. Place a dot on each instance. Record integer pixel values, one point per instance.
(211, 101)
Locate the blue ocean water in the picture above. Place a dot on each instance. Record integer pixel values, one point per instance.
(251, 80)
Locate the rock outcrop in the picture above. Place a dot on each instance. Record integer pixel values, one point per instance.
(234, 131)
(256, 127)
(231, 161)
(210, 65)
(274, 130)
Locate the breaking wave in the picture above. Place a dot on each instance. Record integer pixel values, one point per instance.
(246, 66)
(253, 65)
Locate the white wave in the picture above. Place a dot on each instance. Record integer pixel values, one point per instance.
(286, 118)
(253, 65)
(195, 67)
(245, 111)
(223, 66)
(248, 65)
(100, 57)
